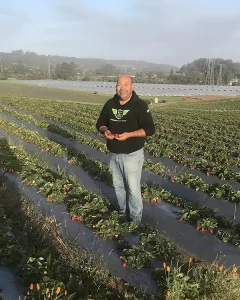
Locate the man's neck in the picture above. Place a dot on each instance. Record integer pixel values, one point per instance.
(122, 102)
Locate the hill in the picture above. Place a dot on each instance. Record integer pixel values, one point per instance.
(34, 60)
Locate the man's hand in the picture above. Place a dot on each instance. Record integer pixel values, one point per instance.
(122, 137)
(109, 135)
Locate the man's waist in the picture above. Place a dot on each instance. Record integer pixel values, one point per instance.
(127, 146)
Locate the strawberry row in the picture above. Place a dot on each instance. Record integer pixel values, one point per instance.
(151, 243)
(152, 193)
(72, 134)
(219, 191)
(55, 111)
(161, 147)
(224, 191)
(73, 114)
(83, 206)
(211, 169)
(175, 121)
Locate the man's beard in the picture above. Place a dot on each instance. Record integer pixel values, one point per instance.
(124, 97)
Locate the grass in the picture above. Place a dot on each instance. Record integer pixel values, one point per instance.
(210, 282)
(50, 93)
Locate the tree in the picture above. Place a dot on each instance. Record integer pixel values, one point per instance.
(66, 71)
(108, 70)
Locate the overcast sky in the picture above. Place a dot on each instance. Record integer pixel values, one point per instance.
(163, 31)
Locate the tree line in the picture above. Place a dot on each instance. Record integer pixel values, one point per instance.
(191, 73)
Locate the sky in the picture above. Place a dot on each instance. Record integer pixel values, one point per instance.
(171, 32)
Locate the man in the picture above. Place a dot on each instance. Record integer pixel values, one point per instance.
(125, 120)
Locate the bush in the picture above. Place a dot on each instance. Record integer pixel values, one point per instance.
(3, 77)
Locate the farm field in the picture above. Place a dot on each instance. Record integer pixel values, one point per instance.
(143, 89)
(61, 94)
(188, 246)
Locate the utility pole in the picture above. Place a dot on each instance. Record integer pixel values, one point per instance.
(1, 63)
(207, 80)
(210, 73)
(49, 68)
(219, 81)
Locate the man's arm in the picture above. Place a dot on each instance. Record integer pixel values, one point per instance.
(137, 133)
(102, 122)
(145, 121)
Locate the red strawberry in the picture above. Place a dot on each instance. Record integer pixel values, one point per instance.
(180, 220)
(124, 265)
(203, 229)
(211, 230)
(73, 218)
(109, 133)
(173, 180)
(198, 228)
(121, 257)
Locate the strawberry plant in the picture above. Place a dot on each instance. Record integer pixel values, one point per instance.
(189, 215)
(159, 246)
(209, 224)
(225, 236)
(115, 226)
(137, 257)
(35, 269)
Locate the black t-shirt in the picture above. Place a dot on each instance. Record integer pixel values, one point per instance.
(132, 116)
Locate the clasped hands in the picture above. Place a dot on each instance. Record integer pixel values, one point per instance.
(120, 137)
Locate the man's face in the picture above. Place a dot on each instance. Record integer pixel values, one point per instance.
(124, 88)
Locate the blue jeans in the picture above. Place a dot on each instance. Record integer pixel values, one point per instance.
(126, 172)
